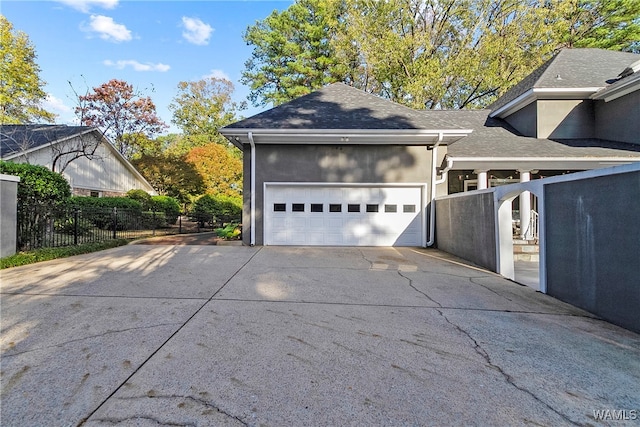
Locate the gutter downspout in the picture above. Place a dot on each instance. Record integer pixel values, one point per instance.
(432, 193)
(252, 238)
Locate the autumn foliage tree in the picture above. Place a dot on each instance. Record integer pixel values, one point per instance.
(220, 170)
(124, 115)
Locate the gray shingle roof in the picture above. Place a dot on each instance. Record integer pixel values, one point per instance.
(493, 137)
(17, 138)
(338, 106)
(576, 68)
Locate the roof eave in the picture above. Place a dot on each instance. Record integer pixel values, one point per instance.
(427, 137)
(535, 94)
(537, 163)
(619, 90)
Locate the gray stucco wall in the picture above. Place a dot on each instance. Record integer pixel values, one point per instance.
(525, 120)
(329, 163)
(619, 119)
(593, 245)
(565, 119)
(8, 214)
(465, 227)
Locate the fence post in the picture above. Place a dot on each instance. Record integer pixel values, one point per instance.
(115, 222)
(75, 226)
(180, 223)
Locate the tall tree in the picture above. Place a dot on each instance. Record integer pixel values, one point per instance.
(202, 107)
(292, 52)
(21, 88)
(605, 24)
(123, 114)
(424, 53)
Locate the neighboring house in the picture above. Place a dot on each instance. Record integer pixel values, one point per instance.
(343, 167)
(99, 171)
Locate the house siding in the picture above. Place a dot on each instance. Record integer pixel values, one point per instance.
(565, 119)
(330, 164)
(525, 120)
(105, 172)
(619, 120)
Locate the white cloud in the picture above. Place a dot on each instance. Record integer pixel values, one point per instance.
(196, 31)
(85, 5)
(108, 29)
(137, 66)
(217, 74)
(51, 103)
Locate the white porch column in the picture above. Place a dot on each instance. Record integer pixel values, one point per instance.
(482, 179)
(525, 208)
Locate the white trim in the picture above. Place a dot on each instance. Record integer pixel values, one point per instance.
(252, 221)
(48, 144)
(534, 94)
(619, 89)
(345, 136)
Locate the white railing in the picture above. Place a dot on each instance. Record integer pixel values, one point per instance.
(531, 233)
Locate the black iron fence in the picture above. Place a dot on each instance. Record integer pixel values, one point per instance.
(42, 228)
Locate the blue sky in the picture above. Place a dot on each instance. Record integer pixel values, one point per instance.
(151, 44)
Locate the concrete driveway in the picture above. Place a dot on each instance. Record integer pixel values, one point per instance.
(211, 335)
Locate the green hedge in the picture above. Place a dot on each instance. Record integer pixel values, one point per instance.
(167, 205)
(218, 209)
(105, 202)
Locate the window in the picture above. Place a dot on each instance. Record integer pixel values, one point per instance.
(335, 208)
(372, 208)
(316, 207)
(353, 208)
(391, 208)
(279, 207)
(408, 208)
(95, 194)
(297, 207)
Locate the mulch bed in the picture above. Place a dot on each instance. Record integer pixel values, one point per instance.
(181, 239)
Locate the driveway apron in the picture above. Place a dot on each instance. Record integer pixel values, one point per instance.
(224, 335)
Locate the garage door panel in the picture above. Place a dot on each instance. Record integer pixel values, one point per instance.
(341, 216)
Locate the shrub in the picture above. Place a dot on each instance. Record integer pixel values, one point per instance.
(230, 231)
(140, 196)
(167, 205)
(106, 203)
(100, 210)
(217, 209)
(41, 194)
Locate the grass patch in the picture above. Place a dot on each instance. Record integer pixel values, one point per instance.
(46, 254)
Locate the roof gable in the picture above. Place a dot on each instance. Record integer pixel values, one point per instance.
(17, 139)
(571, 69)
(339, 106)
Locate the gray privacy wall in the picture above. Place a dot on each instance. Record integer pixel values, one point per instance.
(593, 245)
(589, 237)
(465, 227)
(8, 214)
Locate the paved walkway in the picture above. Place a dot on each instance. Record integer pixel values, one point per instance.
(213, 335)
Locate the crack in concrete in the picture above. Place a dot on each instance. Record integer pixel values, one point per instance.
(84, 420)
(91, 337)
(418, 290)
(116, 421)
(199, 401)
(508, 378)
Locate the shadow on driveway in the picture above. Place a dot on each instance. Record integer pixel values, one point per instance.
(210, 335)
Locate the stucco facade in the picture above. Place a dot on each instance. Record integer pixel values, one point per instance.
(362, 164)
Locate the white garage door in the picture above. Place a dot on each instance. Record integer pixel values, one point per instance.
(343, 216)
